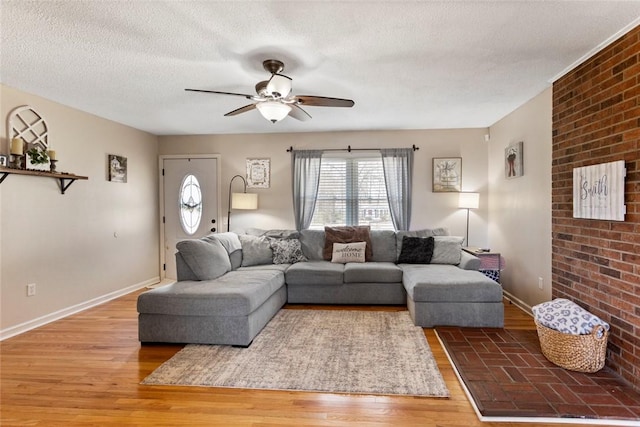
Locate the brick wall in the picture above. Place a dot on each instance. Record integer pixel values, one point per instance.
(596, 119)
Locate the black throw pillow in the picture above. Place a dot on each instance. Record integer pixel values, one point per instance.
(416, 250)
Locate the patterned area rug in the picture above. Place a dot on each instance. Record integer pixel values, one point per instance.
(317, 350)
(509, 379)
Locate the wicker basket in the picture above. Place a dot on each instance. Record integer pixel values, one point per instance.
(582, 353)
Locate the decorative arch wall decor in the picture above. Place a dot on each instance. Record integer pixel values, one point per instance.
(26, 123)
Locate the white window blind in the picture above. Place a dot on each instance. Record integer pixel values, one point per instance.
(352, 192)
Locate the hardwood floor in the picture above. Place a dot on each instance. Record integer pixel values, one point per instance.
(85, 370)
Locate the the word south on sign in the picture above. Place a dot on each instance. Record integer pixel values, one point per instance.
(598, 191)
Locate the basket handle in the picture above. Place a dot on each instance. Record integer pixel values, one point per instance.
(598, 332)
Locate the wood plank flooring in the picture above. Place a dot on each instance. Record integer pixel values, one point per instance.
(85, 370)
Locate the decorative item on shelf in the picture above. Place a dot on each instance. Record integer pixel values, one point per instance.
(468, 201)
(447, 174)
(37, 155)
(3, 161)
(244, 200)
(17, 153)
(52, 160)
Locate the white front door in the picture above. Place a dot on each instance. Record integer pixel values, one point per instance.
(190, 206)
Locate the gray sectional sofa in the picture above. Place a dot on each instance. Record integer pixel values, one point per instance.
(229, 286)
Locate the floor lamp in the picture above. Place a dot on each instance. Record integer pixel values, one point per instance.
(468, 201)
(244, 200)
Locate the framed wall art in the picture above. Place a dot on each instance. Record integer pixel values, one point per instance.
(513, 160)
(258, 173)
(447, 174)
(117, 168)
(598, 191)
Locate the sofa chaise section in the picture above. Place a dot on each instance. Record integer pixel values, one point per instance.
(446, 295)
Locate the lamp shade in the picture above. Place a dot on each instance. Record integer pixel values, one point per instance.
(279, 86)
(273, 111)
(469, 200)
(248, 201)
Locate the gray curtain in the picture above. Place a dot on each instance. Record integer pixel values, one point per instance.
(306, 178)
(397, 164)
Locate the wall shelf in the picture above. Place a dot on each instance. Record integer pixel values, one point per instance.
(64, 179)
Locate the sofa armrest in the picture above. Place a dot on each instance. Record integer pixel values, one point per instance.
(182, 269)
(469, 261)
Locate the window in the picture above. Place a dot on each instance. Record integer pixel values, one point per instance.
(352, 192)
(190, 204)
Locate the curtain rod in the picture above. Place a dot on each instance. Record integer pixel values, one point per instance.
(349, 149)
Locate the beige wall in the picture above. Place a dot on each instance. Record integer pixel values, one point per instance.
(65, 244)
(520, 208)
(275, 205)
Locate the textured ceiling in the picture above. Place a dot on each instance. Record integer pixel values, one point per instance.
(406, 64)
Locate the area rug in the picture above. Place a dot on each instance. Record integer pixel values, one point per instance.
(334, 351)
(507, 378)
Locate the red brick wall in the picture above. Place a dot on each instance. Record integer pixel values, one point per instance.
(596, 119)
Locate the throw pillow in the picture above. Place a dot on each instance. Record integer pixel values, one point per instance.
(287, 251)
(426, 232)
(207, 259)
(348, 234)
(447, 250)
(255, 250)
(349, 252)
(416, 250)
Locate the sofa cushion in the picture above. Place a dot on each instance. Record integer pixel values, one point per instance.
(348, 234)
(287, 251)
(426, 232)
(447, 283)
(416, 250)
(315, 273)
(207, 259)
(372, 272)
(231, 243)
(255, 250)
(237, 293)
(447, 250)
(276, 234)
(312, 242)
(383, 244)
(348, 252)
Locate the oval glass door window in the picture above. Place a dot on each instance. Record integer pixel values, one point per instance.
(190, 204)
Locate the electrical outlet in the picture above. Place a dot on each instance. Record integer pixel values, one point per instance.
(31, 289)
(540, 283)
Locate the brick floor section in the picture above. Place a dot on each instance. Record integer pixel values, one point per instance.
(508, 376)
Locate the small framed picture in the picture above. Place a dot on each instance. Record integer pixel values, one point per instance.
(117, 168)
(513, 161)
(3, 161)
(258, 173)
(447, 174)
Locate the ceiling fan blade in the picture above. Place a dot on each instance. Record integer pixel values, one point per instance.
(241, 110)
(323, 101)
(298, 113)
(221, 93)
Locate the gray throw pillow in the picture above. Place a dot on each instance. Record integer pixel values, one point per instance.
(447, 250)
(416, 250)
(287, 251)
(255, 250)
(207, 259)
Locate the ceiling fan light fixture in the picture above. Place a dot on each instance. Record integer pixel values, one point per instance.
(279, 86)
(273, 111)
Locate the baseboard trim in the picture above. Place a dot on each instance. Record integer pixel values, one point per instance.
(518, 302)
(60, 314)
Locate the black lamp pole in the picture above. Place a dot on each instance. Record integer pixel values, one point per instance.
(245, 190)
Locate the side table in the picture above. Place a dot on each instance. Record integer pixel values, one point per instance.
(491, 263)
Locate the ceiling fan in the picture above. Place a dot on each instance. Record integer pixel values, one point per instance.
(274, 99)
